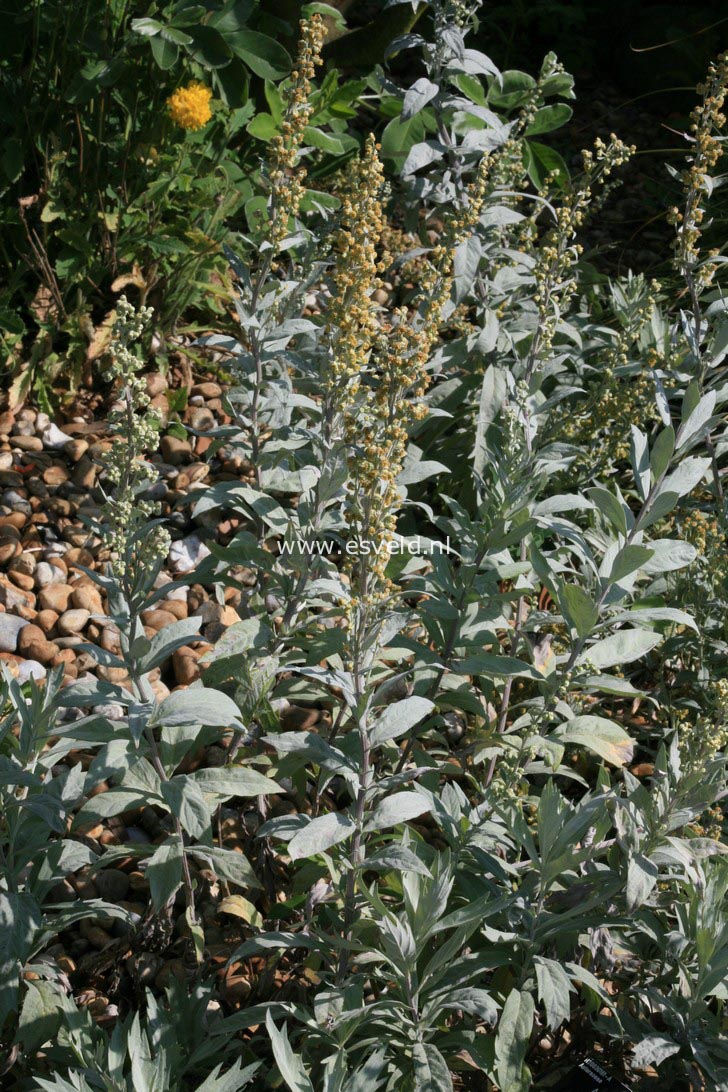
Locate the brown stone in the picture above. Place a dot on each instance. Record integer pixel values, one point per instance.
(206, 390)
(24, 581)
(27, 443)
(43, 651)
(85, 473)
(14, 519)
(47, 619)
(175, 451)
(29, 635)
(65, 656)
(79, 555)
(157, 619)
(110, 640)
(55, 597)
(156, 384)
(176, 607)
(87, 597)
(75, 449)
(55, 475)
(184, 663)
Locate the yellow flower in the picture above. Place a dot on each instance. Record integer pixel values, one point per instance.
(189, 106)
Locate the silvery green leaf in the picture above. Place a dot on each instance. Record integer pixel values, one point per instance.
(496, 666)
(417, 97)
(577, 608)
(640, 455)
(563, 502)
(167, 640)
(197, 705)
(232, 781)
(289, 1064)
(227, 864)
(431, 1073)
(621, 648)
(398, 858)
(187, 803)
(554, 988)
(493, 394)
(610, 507)
(473, 1000)
(657, 614)
(668, 555)
(107, 804)
(422, 155)
(142, 778)
(642, 876)
(686, 477)
(398, 718)
(511, 1044)
(398, 808)
(662, 451)
(164, 870)
(597, 734)
(476, 63)
(310, 747)
(661, 401)
(628, 560)
(320, 834)
(466, 262)
(653, 1050)
(20, 921)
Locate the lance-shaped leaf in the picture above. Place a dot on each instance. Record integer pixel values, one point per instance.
(597, 734)
(320, 834)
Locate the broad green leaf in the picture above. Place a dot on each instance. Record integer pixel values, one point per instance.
(234, 781)
(669, 555)
(629, 559)
(20, 921)
(511, 1044)
(431, 1073)
(197, 705)
(398, 858)
(289, 1064)
(187, 803)
(642, 876)
(549, 118)
(398, 808)
(398, 718)
(228, 864)
(164, 870)
(320, 834)
(621, 647)
(554, 988)
(662, 451)
(597, 734)
(577, 608)
(262, 54)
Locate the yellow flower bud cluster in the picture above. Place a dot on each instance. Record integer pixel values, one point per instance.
(189, 106)
(706, 121)
(285, 175)
(559, 252)
(352, 314)
(134, 429)
(599, 423)
(387, 366)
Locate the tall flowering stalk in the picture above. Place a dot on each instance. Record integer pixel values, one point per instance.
(391, 382)
(135, 428)
(286, 183)
(285, 174)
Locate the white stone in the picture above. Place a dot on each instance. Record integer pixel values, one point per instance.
(187, 553)
(54, 438)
